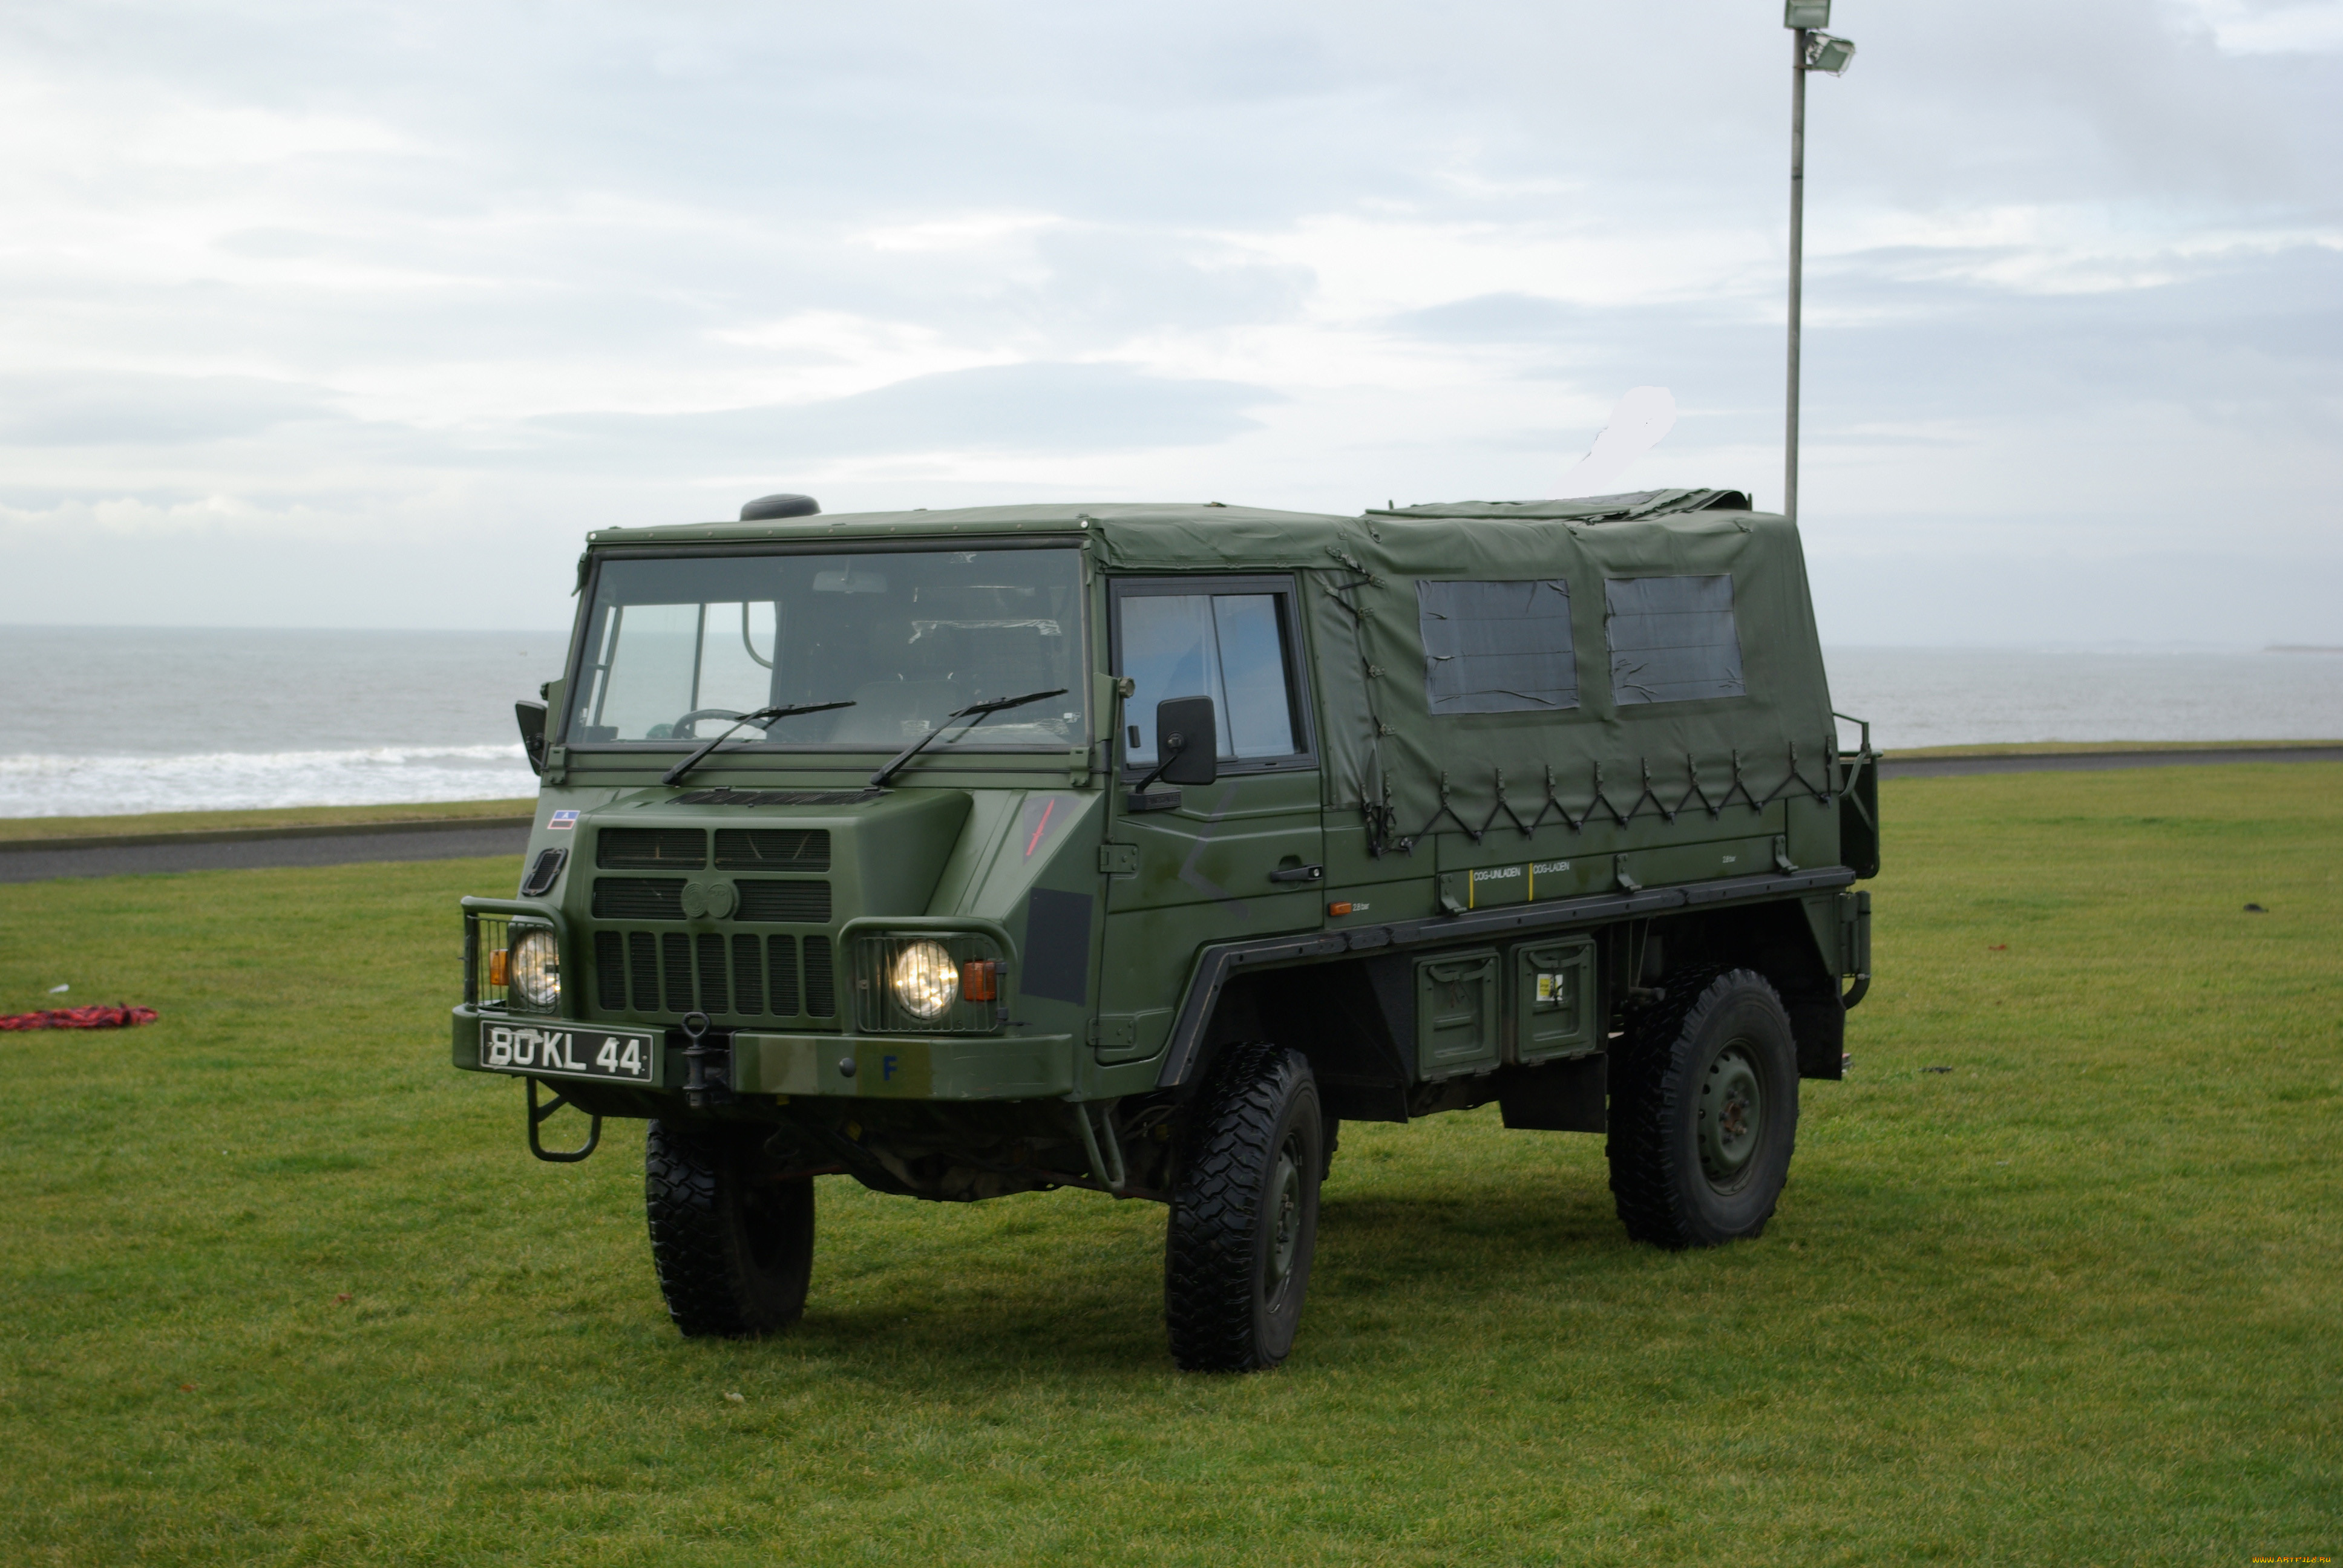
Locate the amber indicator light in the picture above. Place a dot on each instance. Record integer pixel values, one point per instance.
(980, 980)
(1338, 909)
(499, 965)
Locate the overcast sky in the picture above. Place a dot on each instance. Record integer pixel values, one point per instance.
(364, 313)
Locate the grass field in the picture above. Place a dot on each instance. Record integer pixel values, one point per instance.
(34, 829)
(278, 1287)
(2102, 747)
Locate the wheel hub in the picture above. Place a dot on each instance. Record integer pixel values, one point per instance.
(1732, 1116)
(1284, 1216)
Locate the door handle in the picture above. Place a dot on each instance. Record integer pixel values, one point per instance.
(1299, 874)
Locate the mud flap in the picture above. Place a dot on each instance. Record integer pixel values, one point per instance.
(1818, 1024)
(1559, 1097)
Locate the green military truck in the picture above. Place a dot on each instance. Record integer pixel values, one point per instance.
(1134, 847)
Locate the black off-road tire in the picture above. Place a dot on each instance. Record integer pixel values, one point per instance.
(1244, 1213)
(733, 1246)
(1704, 1111)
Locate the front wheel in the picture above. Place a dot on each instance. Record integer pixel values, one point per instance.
(1704, 1112)
(1244, 1213)
(732, 1244)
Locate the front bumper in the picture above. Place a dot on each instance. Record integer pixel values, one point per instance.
(850, 1067)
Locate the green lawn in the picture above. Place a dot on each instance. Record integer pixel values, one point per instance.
(36, 829)
(278, 1286)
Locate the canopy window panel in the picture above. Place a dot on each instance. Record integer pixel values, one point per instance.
(1497, 647)
(1671, 639)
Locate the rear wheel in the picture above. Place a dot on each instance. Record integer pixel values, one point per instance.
(1244, 1214)
(1704, 1112)
(732, 1245)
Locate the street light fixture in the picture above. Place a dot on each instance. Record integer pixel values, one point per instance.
(1829, 55)
(1812, 50)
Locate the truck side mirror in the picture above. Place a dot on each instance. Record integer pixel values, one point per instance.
(1187, 751)
(1187, 741)
(531, 717)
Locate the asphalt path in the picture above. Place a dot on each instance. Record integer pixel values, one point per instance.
(260, 848)
(454, 841)
(2093, 761)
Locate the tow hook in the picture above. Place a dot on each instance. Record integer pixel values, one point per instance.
(703, 1082)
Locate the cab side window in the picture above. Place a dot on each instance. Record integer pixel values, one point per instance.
(1230, 640)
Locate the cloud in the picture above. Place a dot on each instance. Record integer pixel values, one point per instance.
(2239, 27)
(90, 409)
(1028, 407)
(385, 277)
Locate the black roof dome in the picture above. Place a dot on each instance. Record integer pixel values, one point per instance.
(765, 508)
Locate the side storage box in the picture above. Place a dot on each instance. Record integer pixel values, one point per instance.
(1456, 1013)
(1552, 1012)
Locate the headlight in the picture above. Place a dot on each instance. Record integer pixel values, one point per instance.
(534, 971)
(926, 980)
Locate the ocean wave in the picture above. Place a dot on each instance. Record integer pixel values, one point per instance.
(379, 755)
(35, 785)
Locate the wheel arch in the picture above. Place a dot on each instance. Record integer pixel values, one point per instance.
(1350, 1017)
(1779, 940)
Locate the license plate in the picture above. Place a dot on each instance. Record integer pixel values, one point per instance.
(568, 1050)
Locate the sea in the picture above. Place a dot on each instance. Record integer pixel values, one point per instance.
(96, 721)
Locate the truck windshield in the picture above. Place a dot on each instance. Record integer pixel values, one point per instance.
(676, 648)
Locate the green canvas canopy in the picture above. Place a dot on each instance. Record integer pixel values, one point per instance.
(1383, 593)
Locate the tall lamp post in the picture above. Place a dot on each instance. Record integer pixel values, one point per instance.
(1812, 49)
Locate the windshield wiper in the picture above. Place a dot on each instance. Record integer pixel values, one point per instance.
(765, 718)
(980, 710)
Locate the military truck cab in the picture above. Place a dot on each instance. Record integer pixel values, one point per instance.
(1134, 847)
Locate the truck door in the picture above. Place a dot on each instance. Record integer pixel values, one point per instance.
(1240, 856)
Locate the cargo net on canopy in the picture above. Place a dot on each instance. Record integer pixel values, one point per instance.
(1383, 818)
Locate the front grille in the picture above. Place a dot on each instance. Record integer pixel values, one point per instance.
(610, 971)
(642, 969)
(772, 849)
(793, 903)
(739, 975)
(674, 958)
(650, 850)
(712, 997)
(748, 976)
(639, 897)
(821, 989)
(782, 953)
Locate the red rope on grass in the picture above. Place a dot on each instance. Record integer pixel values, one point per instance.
(79, 1018)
